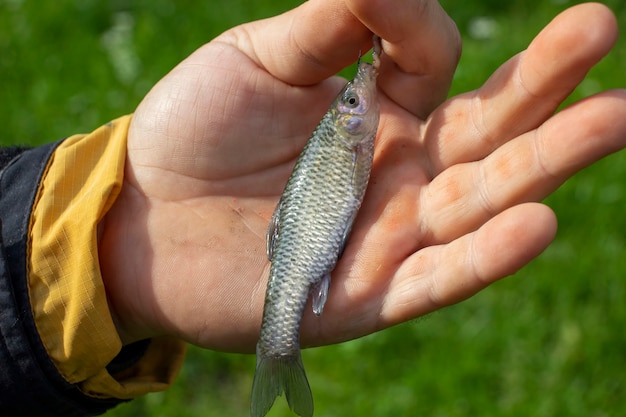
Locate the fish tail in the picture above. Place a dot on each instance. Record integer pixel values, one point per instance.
(272, 377)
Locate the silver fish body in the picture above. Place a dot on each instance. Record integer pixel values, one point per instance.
(307, 235)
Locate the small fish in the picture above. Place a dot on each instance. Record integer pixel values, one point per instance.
(308, 233)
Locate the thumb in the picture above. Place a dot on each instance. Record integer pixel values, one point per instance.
(317, 39)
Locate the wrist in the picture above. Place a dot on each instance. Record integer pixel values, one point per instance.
(118, 253)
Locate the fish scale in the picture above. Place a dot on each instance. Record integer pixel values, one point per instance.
(307, 235)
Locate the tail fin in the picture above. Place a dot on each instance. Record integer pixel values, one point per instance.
(272, 377)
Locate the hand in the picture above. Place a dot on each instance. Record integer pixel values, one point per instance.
(449, 208)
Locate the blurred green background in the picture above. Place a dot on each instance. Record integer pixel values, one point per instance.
(550, 341)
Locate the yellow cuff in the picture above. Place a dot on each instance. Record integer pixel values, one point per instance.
(83, 179)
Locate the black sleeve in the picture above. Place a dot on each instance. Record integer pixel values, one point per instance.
(7, 154)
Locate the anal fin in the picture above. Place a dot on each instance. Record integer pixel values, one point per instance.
(320, 294)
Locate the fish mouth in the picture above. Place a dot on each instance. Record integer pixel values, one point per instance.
(366, 74)
(373, 68)
(367, 71)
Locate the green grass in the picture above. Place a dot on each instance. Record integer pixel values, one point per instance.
(548, 342)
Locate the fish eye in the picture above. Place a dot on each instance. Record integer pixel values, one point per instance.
(351, 100)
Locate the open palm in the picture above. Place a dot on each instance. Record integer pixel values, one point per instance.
(449, 207)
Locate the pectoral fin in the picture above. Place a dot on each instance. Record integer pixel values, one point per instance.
(361, 166)
(346, 235)
(355, 171)
(272, 231)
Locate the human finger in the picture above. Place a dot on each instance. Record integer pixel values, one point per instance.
(527, 168)
(422, 46)
(319, 38)
(438, 276)
(524, 91)
(435, 276)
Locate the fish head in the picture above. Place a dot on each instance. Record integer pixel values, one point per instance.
(356, 107)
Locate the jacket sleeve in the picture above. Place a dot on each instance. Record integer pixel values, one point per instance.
(60, 354)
